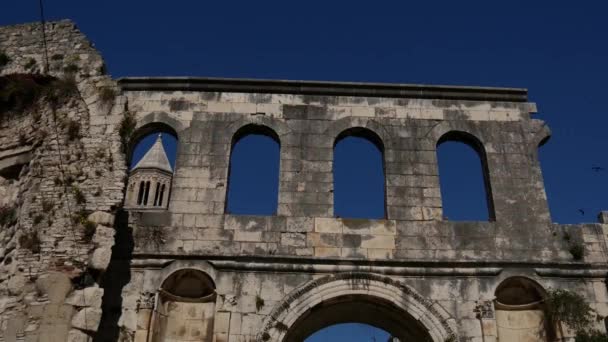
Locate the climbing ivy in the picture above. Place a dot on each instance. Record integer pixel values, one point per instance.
(591, 336)
(126, 129)
(572, 309)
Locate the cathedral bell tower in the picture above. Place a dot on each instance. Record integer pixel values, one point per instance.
(150, 180)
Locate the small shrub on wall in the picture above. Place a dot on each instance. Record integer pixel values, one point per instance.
(570, 308)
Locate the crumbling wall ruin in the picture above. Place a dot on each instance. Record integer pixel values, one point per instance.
(62, 174)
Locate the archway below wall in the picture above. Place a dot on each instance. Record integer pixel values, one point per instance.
(368, 298)
(363, 309)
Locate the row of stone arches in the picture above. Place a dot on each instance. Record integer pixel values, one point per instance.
(184, 309)
(241, 178)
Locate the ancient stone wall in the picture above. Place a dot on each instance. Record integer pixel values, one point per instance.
(62, 178)
(265, 266)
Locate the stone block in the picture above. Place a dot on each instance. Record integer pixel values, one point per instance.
(293, 239)
(100, 258)
(55, 285)
(380, 253)
(359, 253)
(222, 322)
(76, 335)
(246, 223)
(16, 284)
(327, 252)
(405, 213)
(299, 224)
(255, 236)
(88, 319)
(378, 241)
(324, 240)
(235, 323)
(102, 217)
(328, 225)
(88, 297)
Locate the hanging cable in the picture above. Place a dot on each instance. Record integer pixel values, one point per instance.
(46, 54)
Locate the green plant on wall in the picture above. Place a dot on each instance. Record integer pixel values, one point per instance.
(30, 64)
(107, 95)
(20, 92)
(126, 129)
(8, 215)
(259, 303)
(577, 250)
(31, 241)
(591, 336)
(4, 59)
(570, 308)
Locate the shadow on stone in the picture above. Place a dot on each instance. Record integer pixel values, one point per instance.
(115, 278)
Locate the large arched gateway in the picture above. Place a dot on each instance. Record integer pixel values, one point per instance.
(362, 298)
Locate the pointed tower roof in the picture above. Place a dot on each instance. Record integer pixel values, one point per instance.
(155, 158)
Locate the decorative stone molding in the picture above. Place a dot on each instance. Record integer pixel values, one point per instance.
(440, 325)
(484, 309)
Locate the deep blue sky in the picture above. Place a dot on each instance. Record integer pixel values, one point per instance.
(556, 49)
(253, 186)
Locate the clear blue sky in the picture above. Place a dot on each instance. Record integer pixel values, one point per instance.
(556, 49)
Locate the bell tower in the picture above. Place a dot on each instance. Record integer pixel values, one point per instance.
(150, 179)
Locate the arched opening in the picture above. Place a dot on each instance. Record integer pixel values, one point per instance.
(184, 309)
(379, 313)
(144, 137)
(253, 175)
(366, 298)
(520, 311)
(466, 193)
(359, 175)
(152, 156)
(144, 144)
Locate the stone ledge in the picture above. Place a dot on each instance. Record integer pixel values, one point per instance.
(440, 92)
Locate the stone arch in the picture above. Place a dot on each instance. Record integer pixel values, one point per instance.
(158, 182)
(278, 128)
(343, 125)
(163, 118)
(520, 310)
(372, 137)
(423, 315)
(478, 146)
(467, 127)
(184, 308)
(270, 205)
(153, 123)
(178, 265)
(188, 283)
(364, 132)
(255, 129)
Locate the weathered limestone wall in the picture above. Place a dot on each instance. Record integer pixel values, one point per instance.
(69, 181)
(307, 127)
(456, 266)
